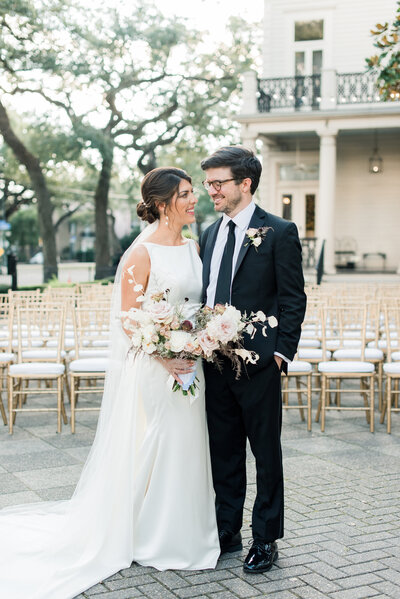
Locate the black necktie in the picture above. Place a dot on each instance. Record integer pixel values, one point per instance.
(223, 290)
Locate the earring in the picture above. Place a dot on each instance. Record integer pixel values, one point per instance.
(166, 220)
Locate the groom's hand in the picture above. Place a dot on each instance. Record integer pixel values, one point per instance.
(278, 360)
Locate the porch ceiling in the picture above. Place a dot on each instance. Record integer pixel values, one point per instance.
(309, 140)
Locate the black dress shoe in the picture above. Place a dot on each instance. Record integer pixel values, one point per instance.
(230, 542)
(260, 557)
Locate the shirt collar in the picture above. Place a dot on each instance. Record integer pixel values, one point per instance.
(242, 219)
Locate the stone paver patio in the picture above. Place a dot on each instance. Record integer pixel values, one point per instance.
(342, 536)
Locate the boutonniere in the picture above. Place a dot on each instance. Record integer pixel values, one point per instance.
(256, 236)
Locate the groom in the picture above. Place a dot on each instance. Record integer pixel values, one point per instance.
(253, 270)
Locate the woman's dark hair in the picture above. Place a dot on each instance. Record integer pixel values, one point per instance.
(242, 162)
(158, 187)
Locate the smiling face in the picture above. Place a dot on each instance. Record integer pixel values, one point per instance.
(233, 196)
(181, 209)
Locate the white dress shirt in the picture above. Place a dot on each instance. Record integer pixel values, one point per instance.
(242, 221)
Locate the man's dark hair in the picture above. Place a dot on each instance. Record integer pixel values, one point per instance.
(242, 162)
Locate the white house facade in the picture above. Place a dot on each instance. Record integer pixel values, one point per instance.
(330, 147)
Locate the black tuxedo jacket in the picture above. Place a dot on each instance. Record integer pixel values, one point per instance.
(267, 278)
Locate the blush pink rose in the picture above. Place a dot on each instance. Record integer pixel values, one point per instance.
(223, 328)
(160, 312)
(207, 344)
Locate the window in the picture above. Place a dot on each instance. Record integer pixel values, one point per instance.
(310, 213)
(287, 206)
(305, 31)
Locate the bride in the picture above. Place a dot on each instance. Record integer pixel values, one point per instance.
(145, 493)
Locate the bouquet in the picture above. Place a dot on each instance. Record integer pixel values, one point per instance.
(162, 329)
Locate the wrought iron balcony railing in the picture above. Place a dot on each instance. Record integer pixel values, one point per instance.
(356, 88)
(305, 93)
(289, 92)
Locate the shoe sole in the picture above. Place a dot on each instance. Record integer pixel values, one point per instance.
(232, 549)
(261, 570)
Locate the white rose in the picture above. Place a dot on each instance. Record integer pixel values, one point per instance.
(149, 347)
(148, 332)
(161, 312)
(257, 241)
(261, 316)
(136, 339)
(251, 232)
(178, 340)
(233, 313)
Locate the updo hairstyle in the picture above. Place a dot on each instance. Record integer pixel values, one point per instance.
(158, 187)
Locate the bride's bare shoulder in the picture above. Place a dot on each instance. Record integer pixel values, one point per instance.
(137, 255)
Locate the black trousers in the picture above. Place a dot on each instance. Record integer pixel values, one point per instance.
(236, 410)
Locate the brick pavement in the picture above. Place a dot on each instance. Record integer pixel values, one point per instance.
(342, 536)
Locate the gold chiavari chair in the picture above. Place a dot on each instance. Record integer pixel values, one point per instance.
(90, 356)
(392, 366)
(301, 372)
(35, 363)
(345, 328)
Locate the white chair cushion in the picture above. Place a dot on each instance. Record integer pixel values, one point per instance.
(395, 356)
(6, 357)
(355, 354)
(382, 343)
(392, 368)
(346, 367)
(101, 343)
(68, 343)
(298, 366)
(333, 344)
(89, 365)
(33, 368)
(305, 342)
(309, 353)
(41, 354)
(24, 343)
(89, 353)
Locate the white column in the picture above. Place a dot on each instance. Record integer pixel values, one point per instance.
(325, 225)
(248, 138)
(249, 93)
(328, 89)
(266, 193)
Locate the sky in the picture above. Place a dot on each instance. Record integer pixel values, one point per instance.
(211, 15)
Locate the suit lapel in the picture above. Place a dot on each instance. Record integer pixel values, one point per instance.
(208, 252)
(257, 220)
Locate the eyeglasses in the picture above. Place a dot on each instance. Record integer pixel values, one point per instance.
(216, 184)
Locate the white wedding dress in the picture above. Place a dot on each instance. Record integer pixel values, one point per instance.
(145, 493)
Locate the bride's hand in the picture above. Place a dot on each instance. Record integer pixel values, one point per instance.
(177, 366)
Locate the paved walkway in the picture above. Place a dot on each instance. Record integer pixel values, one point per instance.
(342, 511)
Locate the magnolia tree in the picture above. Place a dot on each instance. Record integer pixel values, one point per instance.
(386, 64)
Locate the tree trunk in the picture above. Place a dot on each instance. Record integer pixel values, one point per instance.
(103, 261)
(45, 207)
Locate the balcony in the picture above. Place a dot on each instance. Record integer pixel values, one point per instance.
(326, 91)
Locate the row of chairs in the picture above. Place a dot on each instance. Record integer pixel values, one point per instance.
(59, 339)
(51, 345)
(348, 338)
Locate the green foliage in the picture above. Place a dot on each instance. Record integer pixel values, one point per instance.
(126, 240)
(386, 64)
(24, 230)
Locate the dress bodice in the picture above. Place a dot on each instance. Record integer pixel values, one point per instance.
(177, 268)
